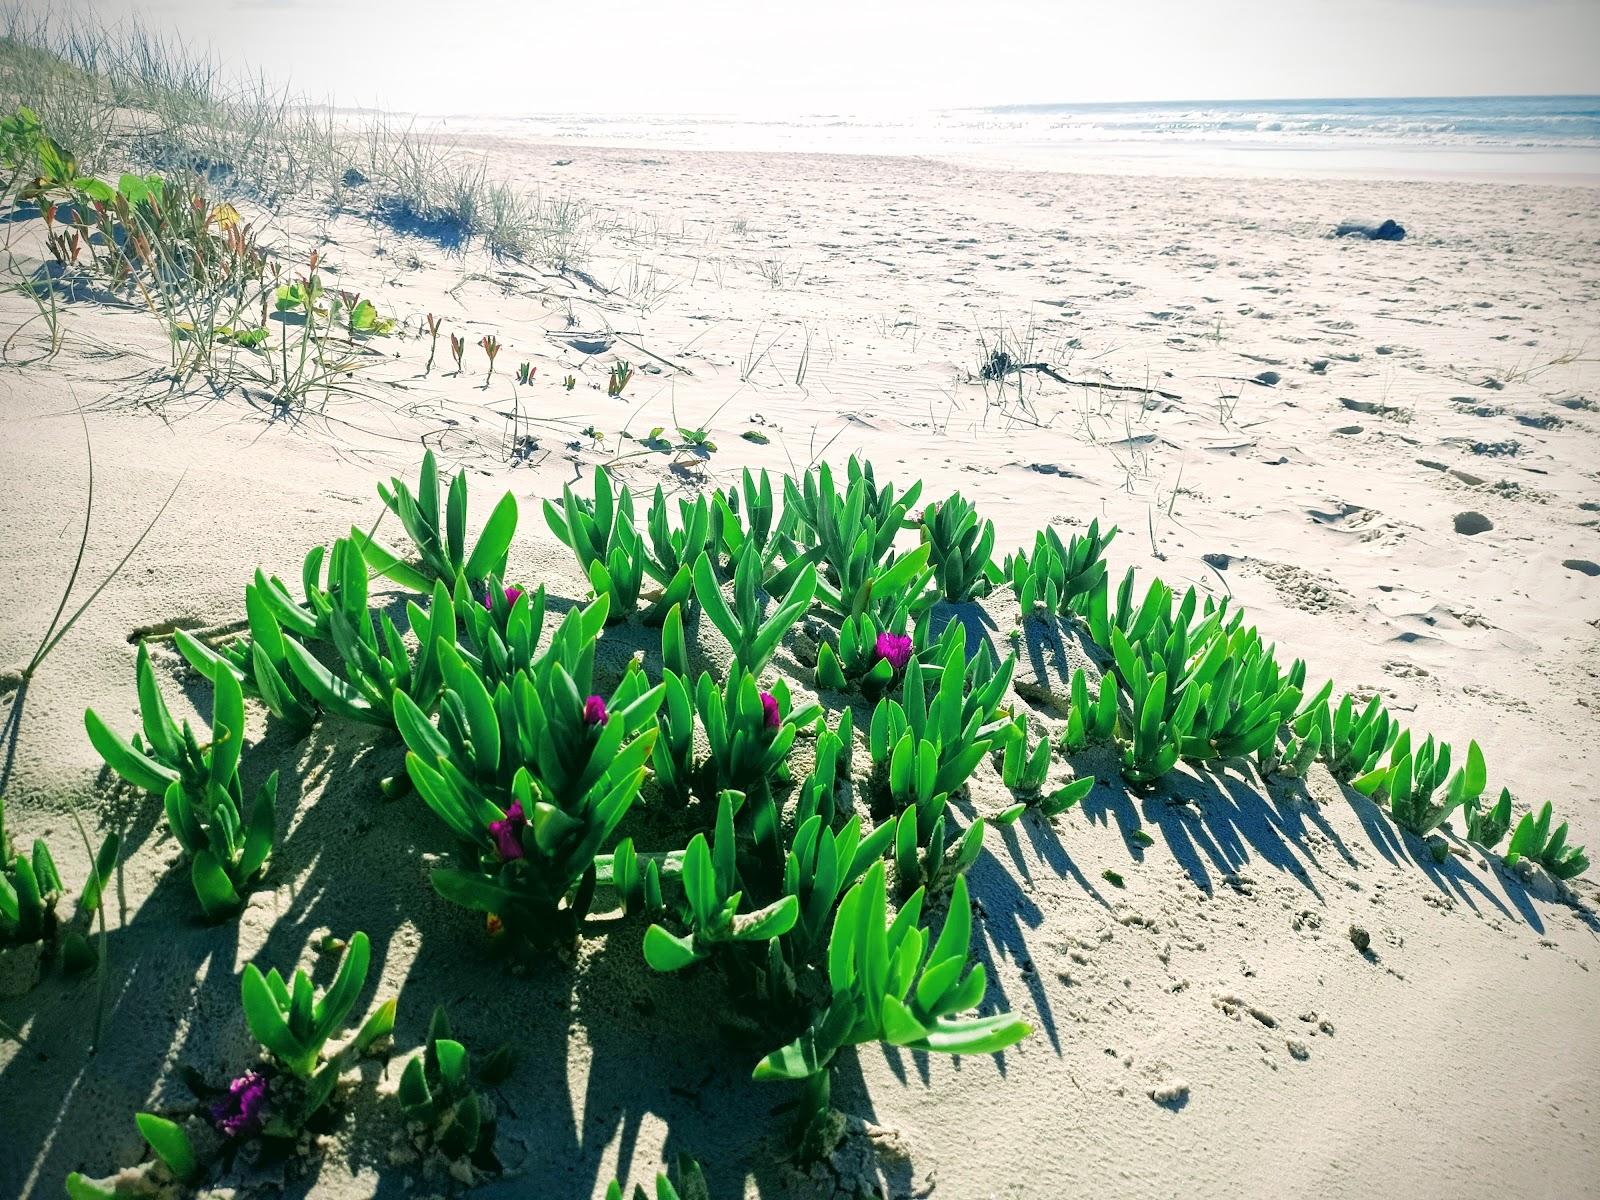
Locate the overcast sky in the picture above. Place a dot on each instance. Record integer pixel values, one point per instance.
(523, 56)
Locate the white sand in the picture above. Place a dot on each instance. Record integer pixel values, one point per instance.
(1461, 1059)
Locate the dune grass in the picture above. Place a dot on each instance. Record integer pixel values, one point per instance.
(124, 96)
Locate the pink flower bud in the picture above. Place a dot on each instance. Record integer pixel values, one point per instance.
(895, 649)
(507, 833)
(513, 594)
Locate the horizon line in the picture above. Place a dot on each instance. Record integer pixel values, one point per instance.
(1009, 106)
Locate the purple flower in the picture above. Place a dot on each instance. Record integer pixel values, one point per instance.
(594, 711)
(513, 594)
(895, 649)
(769, 711)
(240, 1112)
(507, 833)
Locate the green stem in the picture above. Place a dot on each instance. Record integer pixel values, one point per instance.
(671, 863)
(818, 1127)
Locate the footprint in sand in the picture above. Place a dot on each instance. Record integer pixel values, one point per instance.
(1540, 420)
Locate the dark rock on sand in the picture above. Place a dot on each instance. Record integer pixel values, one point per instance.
(1386, 231)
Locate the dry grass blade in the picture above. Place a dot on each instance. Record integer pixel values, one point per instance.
(53, 635)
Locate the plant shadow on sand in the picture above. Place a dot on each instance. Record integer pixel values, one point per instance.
(624, 1036)
(172, 985)
(1214, 823)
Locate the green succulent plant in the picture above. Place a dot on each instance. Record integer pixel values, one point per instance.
(497, 636)
(31, 886)
(1134, 622)
(1533, 839)
(713, 898)
(320, 579)
(1355, 742)
(1023, 769)
(931, 746)
(748, 733)
(227, 843)
(1089, 721)
(373, 669)
(1488, 827)
(927, 749)
(532, 778)
(1412, 781)
(961, 549)
(170, 1144)
(753, 636)
(1157, 737)
(167, 1140)
(857, 665)
(1059, 577)
(822, 792)
(602, 536)
(1303, 738)
(1178, 678)
(889, 982)
(930, 852)
(1158, 724)
(1025, 772)
(259, 662)
(1245, 697)
(293, 1025)
(853, 537)
(746, 516)
(685, 1183)
(672, 553)
(441, 549)
(439, 1091)
(822, 864)
(636, 878)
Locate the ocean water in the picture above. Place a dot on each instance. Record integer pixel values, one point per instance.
(1545, 138)
(1496, 122)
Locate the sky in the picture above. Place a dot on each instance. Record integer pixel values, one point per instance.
(506, 57)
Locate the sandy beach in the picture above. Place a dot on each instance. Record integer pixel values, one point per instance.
(1385, 452)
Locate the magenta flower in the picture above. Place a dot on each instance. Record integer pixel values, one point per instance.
(769, 711)
(239, 1113)
(594, 711)
(895, 649)
(507, 833)
(513, 594)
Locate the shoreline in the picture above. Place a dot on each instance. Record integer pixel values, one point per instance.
(1208, 159)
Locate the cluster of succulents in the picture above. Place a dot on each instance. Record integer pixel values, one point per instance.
(801, 882)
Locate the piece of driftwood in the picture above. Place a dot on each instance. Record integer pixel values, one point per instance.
(1047, 369)
(653, 354)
